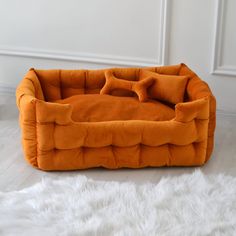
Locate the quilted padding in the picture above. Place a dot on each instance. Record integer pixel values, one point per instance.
(56, 137)
(96, 107)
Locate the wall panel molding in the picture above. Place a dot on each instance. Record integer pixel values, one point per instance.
(75, 57)
(100, 58)
(7, 89)
(165, 32)
(217, 67)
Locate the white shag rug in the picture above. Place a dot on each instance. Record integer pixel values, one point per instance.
(187, 205)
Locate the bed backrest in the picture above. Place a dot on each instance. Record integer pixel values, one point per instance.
(60, 84)
(196, 89)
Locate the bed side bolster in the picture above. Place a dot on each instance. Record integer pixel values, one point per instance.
(29, 86)
(188, 111)
(28, 125)
(53, 112)
(27, 108)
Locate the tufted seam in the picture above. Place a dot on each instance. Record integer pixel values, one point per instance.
(54, 138)
(36, 134)
(140, 160)
(114, 156)
(137, 74)
(83, 152)
(170, 154)
(85, 81)
(123, 162)
(60, 85)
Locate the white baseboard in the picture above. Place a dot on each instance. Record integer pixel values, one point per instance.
(7, 89)
(225, 113)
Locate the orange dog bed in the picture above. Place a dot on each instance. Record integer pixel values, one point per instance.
(120, 117)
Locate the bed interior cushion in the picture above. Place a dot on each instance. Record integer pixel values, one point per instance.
(96, 107)
(139, 87)
(168, 88)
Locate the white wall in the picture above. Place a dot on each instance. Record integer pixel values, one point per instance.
(195, 39)
(102, 33)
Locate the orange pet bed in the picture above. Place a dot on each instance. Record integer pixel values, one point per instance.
(113, 118)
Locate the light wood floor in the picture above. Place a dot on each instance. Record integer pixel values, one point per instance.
(16, 174)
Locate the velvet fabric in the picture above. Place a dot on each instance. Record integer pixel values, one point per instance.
(167, 88)
(98, 107)
(53, 140)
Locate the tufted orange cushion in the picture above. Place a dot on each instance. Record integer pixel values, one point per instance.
(66, 124)
(96, 107)
(168, 88)
(113, 83)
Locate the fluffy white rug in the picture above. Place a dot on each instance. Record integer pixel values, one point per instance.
(186, 205)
